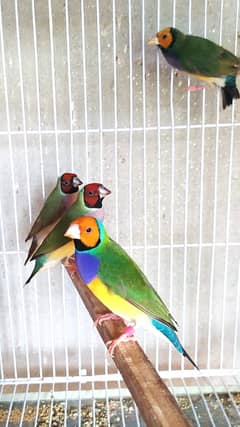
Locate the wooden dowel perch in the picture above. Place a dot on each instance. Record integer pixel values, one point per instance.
(155, 402)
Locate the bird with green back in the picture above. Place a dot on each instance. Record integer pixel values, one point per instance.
(202, 59)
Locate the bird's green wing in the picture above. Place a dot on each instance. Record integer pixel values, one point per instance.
(203, 57)
(56, 238)
(121, 274)
(51, 212)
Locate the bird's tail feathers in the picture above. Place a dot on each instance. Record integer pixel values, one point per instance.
(230, 91)
(38, 266)
(30, 277)
(185, 354)
(30, 234)
(32, 249)
(172, 336)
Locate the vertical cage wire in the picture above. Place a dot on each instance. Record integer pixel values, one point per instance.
(118, 124)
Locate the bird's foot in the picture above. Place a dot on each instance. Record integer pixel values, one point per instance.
(127, 335)
(73, 271)
(100, 318)
(70, 263)
(196, 88)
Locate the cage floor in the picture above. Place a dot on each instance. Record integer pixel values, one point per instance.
(114, 412)
(212, 400)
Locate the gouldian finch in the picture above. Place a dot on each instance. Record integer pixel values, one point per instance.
(202, 59)
(58, 202)
(56, 247)
(116, 280)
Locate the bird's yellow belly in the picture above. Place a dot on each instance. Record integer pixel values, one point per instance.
(218, 81)
(115, 303)
(64, 251)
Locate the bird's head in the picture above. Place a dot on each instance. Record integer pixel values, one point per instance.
(93, 195)
(86, 231)
(70, 183)
(164, 38)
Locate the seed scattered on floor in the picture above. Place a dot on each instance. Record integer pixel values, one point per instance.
(105, 414)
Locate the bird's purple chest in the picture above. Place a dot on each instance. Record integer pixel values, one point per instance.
(87, 265)
(172, 60)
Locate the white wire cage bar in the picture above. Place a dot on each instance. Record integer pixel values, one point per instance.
(205, 400)
(81, 90)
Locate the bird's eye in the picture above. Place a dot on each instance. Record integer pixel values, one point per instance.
(88, 230)
(66, 182)
(90, 193)
(164, 36)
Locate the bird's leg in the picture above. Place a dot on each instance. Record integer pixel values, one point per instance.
(100, 318)
(73, 270)
(196, 88)
(191, 88)
(127, 335)
(69, 261)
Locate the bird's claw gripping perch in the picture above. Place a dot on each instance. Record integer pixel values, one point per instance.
(70, 263)
(127, 335)
(196, 88)
(100, 318)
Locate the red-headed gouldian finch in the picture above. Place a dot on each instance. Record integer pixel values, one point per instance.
(116, 280)
(58, 202)
(56, 247)
(202, 59)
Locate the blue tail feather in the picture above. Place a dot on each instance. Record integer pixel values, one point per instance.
(172, 336)
(169, 333)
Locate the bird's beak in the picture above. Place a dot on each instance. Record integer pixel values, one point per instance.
(73, 232)
(76, 181)
(103, 191)
(153, 42)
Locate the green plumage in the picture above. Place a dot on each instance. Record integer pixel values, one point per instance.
(122, 275)
(56, 238)
(51, 212)
(198, 55)
(58, 202)
(201, 58)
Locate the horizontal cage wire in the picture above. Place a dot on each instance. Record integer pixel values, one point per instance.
(80, 90)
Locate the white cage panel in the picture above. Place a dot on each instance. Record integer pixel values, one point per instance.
(81, 90)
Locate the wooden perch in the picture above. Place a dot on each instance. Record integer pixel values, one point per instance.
(155, 402)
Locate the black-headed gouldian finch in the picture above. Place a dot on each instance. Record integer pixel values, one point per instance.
(58, 202)
(55, 247)
(116, 280)
(202, 59)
